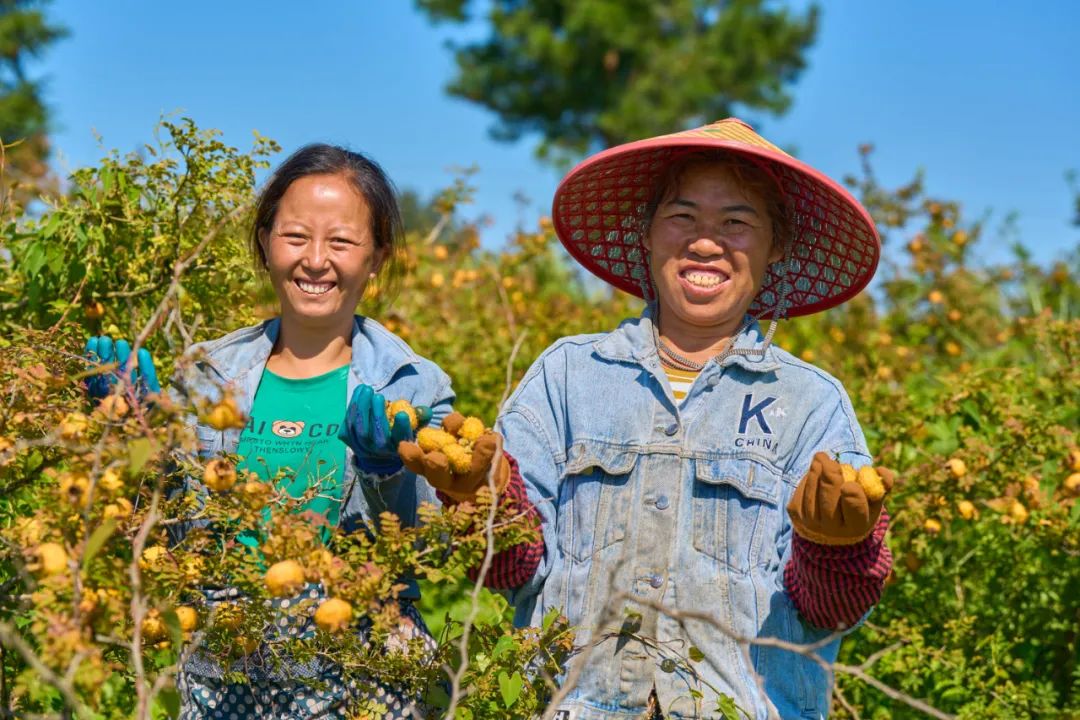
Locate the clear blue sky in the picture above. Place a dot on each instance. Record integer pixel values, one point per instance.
(983, 96)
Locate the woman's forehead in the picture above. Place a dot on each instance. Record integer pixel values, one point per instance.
(705, 180)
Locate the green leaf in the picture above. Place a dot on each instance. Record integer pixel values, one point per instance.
(695, 654)
(503, 646)
(170, 701)
(97, 540)
(727, 708)
(510, 687)
(172, 622)
(139, 452)
(33, 462)
(550, 618)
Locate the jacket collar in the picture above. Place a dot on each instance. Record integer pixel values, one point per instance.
(633, 342)
(377, 354)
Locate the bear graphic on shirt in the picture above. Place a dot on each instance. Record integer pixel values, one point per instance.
(287, 428)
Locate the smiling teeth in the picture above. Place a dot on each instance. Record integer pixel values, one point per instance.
(314, 288)
(704, 279)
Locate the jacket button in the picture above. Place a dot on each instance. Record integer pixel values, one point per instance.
(672, 428)
(656, 581)
(662, 502)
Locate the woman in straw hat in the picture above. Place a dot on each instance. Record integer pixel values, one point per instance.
(687, 471)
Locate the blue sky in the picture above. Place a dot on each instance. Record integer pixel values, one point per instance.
(982, 96)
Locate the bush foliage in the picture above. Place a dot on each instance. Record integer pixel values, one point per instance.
(964, 376)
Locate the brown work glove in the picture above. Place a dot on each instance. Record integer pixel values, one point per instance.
(831, 510)
(435, 465)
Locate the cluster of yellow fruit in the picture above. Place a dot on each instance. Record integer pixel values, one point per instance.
(224, 414)
(457, 447)
(286, 578)
(868, 478)
(399, 406)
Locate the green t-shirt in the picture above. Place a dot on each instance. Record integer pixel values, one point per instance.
(293, 427)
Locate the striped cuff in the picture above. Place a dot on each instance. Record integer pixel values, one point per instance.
(833, 586)
(512, 567)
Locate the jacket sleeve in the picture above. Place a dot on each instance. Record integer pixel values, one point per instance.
(832, 587)
(531, 425)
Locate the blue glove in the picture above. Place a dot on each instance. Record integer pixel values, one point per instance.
(367, 431)
(142, 375)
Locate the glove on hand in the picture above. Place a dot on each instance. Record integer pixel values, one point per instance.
(141, 376)
(368, 431)
(831, 510)
(460, 487)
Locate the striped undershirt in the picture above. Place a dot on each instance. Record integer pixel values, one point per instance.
(680, 380)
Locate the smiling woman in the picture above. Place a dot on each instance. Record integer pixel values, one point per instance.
(312, 384)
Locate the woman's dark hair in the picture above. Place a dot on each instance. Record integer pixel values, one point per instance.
(364, 174)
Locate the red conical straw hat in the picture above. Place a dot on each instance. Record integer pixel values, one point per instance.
(599, 206)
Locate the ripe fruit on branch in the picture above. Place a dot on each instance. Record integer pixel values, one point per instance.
(93, 310)
(113, 407)
(284, 578)
(1072, 484)
(966, 509)
(153, 627)
(219, 475)
(153, 557)
(334, 615)
(224, 415)
(932, 526)
(52, 559)
(867, 478)
(956, 467)
(187, 617)
(74, 426)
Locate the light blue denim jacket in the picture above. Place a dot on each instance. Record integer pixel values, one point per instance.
(681, 505)
(379, 359)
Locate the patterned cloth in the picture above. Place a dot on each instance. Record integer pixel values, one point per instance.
(295, 691)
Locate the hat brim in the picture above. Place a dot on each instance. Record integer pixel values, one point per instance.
(835, 248)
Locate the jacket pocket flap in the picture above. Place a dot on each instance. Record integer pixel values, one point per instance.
(612, 460)
(751, 478)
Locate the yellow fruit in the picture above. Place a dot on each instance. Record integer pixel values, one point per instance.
(74, 426)
(953, 348)
(75, 488)
(430, 439)
(110, 481)
(1018, 512)
(441, 253)
(1074, 459)
(437, 280)
(284, 578)
(113, 407)
(153, 627)
(52, 558)
(932, 526)
(119, 509)
(1072, 484)
(460, 458)
(333, 615)
(192, 567)
(228, 617)
(849, 473)
(188, 618)
(255, 493)
(247, 644)
(960, 237)
(956, 467)
(471, 429)
(807, 355)
(29, 531)
(225, 415)
(219, 475)
(871, 483)
(402, 406)
(93, 310)
(153, 557)
(966, 509)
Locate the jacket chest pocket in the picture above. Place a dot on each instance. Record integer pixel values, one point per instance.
(594, 500)
(737, 512)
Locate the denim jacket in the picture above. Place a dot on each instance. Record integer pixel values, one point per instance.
(379, 359)
(684, 506)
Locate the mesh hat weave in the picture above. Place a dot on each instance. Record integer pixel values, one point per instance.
(599, 207)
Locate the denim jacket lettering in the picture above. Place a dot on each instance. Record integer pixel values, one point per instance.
(684, 506)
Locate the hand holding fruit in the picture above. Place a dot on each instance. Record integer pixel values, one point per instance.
(836, 505)
(373, 429)
(457, 459)
(141, 375)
